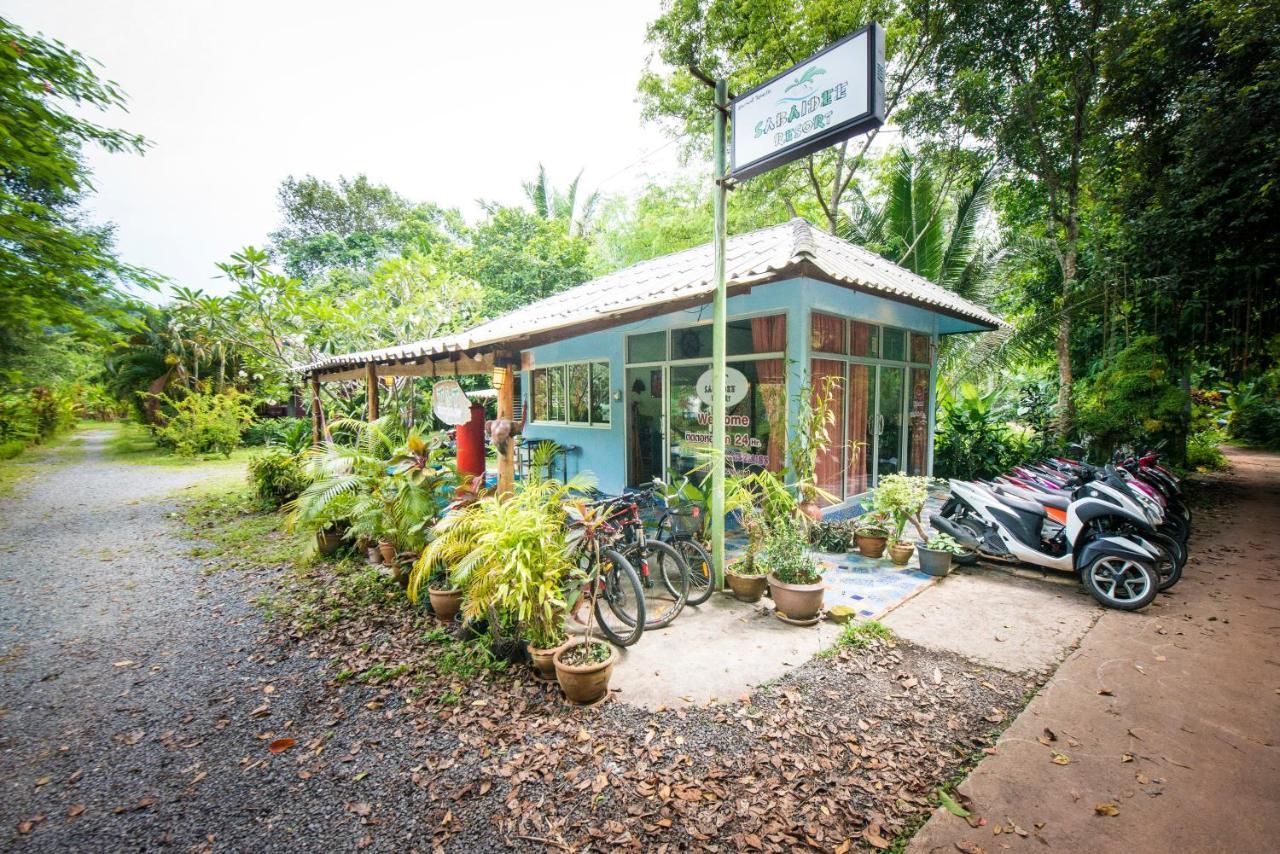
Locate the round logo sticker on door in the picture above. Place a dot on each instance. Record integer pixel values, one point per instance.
(735, 387)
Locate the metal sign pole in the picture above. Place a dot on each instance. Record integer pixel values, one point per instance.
(718, 348)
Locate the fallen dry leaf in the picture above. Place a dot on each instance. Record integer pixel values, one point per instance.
(75, 810)
(280, 745)
(1106, 809)
(1060, 759)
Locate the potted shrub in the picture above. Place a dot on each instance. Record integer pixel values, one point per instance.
(872, 535)
(583, 669)
(794, 580)
(446, 598)
(935, 555)
(746, 578)
(832, 537)
(900, 498)
(329, 540)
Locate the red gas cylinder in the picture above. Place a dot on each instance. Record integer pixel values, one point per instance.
(471, 442)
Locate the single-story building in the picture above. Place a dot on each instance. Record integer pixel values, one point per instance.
(614, 368)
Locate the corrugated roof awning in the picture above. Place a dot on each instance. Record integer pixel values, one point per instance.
(662, 284)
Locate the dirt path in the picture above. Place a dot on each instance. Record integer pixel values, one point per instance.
(1171, 715)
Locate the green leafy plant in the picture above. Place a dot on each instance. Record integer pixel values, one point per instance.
(277, 476)
(832, 536)
(203, 423)
(900, 498)
(871, 524)
(944, 543)
(511, 555)
(785, 554)
(812, 436)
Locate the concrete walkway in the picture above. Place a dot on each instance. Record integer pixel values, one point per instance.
(1170, 717)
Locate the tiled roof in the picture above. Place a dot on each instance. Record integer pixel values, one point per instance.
(757, 256)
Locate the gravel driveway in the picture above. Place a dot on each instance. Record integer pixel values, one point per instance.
(129, 678)
(139, 694)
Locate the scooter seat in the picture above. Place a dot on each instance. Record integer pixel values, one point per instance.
(1048, 499)
(1021, 504)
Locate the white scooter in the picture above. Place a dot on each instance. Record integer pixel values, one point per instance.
(1118, 571)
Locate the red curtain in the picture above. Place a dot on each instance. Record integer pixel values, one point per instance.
(769, 335)
(831, 461)
(858, 478)
(826, 333)
(860, 338)
(918, 422)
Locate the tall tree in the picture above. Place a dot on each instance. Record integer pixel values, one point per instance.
(55, 267)
(1025, 76)
(553, 204)
(747, 43)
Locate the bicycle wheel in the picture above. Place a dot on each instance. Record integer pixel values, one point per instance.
(664, 601)
(701, 579)
(619, 605)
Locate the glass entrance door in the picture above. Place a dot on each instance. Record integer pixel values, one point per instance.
(890, 402)
(645, 424)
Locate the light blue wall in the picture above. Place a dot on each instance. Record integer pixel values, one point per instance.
(602, 450)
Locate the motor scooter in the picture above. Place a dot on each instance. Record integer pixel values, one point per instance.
(1118, 571)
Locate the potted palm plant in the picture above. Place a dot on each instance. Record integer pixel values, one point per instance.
(795, 583)
(508, 559)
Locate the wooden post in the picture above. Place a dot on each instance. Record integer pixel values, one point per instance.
(317, 418)
(507, 449)
(371, 389)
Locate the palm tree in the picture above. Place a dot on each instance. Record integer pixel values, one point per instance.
(553, 205)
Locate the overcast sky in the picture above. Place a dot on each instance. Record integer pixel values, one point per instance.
(447, 102)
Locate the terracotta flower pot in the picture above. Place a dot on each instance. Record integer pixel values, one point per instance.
(445, 603)
(584, 683)
(935, 562)
(746, 588)
(543, 660)
(387, 549)
(328, 541)
(900, 553)
(812, 509)
(871, 546)
(797, 601)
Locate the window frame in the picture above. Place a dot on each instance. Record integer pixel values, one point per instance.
(537, 412)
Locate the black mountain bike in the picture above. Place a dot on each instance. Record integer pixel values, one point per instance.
(611, 583)
(663, 572)
(679, 526)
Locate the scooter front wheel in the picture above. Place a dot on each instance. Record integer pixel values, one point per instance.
(1117, 582)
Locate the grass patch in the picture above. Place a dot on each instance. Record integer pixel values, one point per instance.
(132, 443)
(234, 528)
(326, 594)
(857, 634)
(34, 458)
(464, 660)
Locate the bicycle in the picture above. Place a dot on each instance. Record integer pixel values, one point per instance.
(647, 554)
(617, 599)
(679, 526)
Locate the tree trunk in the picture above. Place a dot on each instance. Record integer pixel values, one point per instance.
(1066, 407)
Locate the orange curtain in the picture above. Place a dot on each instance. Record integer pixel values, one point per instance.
(769, 335)
(860, 338)
(826, 333)
(830, 466)
(918, 422)
(858, 478)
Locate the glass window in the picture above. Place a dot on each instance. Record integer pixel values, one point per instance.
(863, 338)
(918, 421)
(539, 397)
(895, 345)
(579, 393)
(826, 333)
(600, 404)
(573, 394)
(555, 394)
(919, 348)
(743, 337)
(649, 347)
